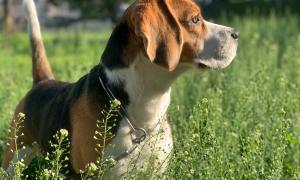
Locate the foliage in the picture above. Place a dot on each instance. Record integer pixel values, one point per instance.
(247, 127)
(248, 7)
(240, 123)
(98, 8)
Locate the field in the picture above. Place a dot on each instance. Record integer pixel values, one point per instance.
(238, 123)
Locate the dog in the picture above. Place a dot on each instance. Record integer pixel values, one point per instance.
(155, 42)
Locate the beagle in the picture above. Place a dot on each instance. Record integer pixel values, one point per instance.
(155, 42)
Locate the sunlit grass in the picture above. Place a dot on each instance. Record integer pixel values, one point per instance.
(238, 123)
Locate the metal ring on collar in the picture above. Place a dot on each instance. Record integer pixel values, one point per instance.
(141, 138)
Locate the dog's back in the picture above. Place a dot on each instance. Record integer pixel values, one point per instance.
(54, 96)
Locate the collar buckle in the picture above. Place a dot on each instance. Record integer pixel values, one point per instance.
(139, 136)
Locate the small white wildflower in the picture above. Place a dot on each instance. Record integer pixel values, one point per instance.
(21, 115)
(20, 164)
(64, 132)
(283, 111)
(46, 172)
(115, 103)
(93, 167)
(111, 161)
(205, 100)
(195, 136)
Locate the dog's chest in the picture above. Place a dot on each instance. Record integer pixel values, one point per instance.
(149, 99)
(151, 155)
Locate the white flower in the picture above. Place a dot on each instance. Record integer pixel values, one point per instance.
(64, 132)
(93, 167)
(21, 115)
(115, 103)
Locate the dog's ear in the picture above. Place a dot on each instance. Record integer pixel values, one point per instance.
(156, 24)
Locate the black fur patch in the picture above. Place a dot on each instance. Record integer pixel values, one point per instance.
(113, 54)
(47, 106)
(96, 90)
(47, 109)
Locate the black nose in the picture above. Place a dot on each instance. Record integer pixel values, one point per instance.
(235, 34)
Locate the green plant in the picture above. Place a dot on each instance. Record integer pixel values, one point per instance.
(102, 136)
(18, 164)
(239, 123)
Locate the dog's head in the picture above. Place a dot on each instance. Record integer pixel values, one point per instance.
(172, 32)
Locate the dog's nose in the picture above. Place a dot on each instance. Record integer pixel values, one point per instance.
(235, 34)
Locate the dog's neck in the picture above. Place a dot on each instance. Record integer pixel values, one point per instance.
(148, 87)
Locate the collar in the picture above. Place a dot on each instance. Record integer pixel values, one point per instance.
(138, 131)
(138, 135)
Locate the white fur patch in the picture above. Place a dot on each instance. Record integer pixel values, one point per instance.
(219, 47)
(33, 22)
(149, 88)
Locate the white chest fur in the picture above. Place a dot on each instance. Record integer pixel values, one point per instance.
(151, 156)
(148, 88)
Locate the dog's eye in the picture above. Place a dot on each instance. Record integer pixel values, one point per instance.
(196, 19)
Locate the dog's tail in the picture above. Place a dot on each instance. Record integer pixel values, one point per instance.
(41, 69)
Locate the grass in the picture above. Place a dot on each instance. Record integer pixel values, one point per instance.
(238, 123)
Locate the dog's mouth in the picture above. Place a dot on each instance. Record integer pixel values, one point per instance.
(219, 60)
(203, 66)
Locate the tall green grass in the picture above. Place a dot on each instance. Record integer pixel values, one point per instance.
(243, 122)
(238, 123)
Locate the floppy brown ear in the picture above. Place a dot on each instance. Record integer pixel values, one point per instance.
(160, 32)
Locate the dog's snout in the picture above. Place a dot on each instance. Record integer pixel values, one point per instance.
(235, 34)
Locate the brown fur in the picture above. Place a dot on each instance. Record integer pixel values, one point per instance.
(83, 125)
(167, 36)
(40, 67)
